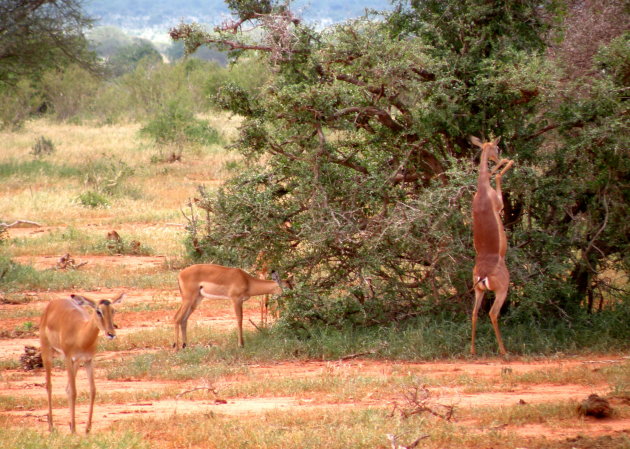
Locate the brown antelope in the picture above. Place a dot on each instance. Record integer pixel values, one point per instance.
(218, 282)
(68, 328)
(490, 271)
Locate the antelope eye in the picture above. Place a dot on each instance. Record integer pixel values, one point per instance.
(99, 313)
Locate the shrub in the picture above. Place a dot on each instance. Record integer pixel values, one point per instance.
(107, 175)
(17, 104)
(70, 92)
(175, 127)
(93, 199)
(43, 147)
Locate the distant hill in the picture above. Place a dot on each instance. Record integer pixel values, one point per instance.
(152, 18)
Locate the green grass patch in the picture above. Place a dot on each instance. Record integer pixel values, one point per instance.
(582, 375)
(18, 313)
(16, 403)
(8, 364)
(191, 363)
(432, 337)
(426, 339)
(521, 414)
(24, 438)
(327, 387)
(78, 242)
(23, 277)
(37, 169)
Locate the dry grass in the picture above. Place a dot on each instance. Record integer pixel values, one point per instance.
(338, 407)
(153, 193)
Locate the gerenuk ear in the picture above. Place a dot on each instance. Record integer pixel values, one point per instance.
(497, 140)
(475, 141)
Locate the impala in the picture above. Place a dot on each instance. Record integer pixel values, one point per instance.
(490, 271)
(218, 282)
(66, 327)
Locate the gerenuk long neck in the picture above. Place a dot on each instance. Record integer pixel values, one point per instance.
(483, 180)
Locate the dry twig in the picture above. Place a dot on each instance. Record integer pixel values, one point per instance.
(205, 387)
(394, 440)
(66, 261)
(417, 400)
(361, 354)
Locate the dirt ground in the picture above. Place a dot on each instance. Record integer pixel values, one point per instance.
(25, 385)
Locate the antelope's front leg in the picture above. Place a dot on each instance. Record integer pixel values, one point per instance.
(71, 390)
(498, 166)
(498, 183)
(507, 167)
(89, 369)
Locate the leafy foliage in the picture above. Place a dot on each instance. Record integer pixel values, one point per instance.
(68, 92)
(176, 127)
(365, 173)
(127, 58)
(36, 36)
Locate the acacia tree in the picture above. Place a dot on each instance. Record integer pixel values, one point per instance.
(36, 35)
(359, 175)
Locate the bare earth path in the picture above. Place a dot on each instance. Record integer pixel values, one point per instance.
(148, 309)
(30, 385)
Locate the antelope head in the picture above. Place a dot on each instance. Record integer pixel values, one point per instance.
(283, 283)
(104, 312)
(491, 148)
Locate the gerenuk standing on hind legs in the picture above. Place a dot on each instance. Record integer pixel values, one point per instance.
(490, 272)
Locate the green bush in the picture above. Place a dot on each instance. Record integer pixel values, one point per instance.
(175, 127)
(360, 172)
(93, 199)
(69, 93)
(107, 175)
(18, 103)
(127, 58)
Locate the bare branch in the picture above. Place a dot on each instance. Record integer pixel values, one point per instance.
(381, 115)
(17, 222)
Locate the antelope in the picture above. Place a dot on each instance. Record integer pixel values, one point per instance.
(218, 282)
(490, 271)
(68, 328)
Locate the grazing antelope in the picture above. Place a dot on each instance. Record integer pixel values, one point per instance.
(490, 271)
(218, 282)
(68, 328)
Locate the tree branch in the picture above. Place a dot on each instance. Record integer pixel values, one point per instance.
(381, 115)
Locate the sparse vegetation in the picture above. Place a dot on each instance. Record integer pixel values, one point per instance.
(43, 147)
(93, 199)
(131, 177)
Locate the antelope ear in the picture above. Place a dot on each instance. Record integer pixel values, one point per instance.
(82, 301)
(475, 141)
(120, 298)
(497, 140)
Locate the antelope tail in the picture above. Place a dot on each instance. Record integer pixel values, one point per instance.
(485, 283)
